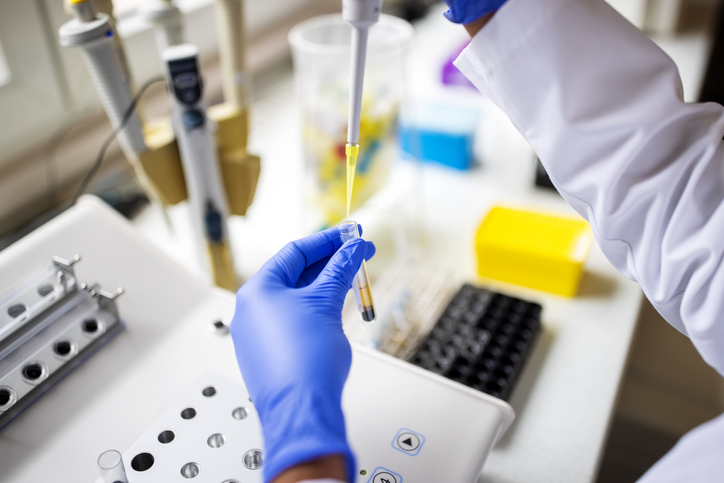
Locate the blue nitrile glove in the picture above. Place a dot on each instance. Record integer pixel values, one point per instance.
(292, 352)
(468, 11)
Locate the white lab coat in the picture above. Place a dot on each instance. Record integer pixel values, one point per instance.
(603, 108)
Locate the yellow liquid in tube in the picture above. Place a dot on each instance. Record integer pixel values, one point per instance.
(351, 150)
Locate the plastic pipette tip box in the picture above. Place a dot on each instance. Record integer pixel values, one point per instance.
(481, 340)
(536, 250)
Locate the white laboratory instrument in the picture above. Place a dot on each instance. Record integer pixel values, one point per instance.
(217, 170)
(93, 32)
(361, 15)
(195, 138)
(167, 21)
(399, 417)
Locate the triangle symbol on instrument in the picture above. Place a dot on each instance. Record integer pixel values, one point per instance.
(408, 442)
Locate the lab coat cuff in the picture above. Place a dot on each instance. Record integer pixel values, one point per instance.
(495, 43)
(710, 348)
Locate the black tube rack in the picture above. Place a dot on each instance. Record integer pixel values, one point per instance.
(482, 340)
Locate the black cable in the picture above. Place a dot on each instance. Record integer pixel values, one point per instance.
(70, 122)
(112, 136)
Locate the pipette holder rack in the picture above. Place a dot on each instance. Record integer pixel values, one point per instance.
(49, 324)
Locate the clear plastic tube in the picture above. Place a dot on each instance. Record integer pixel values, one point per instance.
(348, 230)
(110, 464)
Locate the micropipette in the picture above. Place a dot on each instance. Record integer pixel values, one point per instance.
(361, 15)
(361, 284)
(195, 136)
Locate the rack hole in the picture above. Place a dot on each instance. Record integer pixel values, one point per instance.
(16, 310)
(90, 326)
(254, 459)
(190, 470)
(534, 310)
(240, 413)
(219, 327)
(512, 359)
(33, 372)
(62, 348)
(188, 413)
(5, 396)
(216, 440)
(142, 461)
(45, 289)
(209, 391)
(166, 437)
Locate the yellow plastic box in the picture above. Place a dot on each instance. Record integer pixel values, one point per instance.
(536, 250)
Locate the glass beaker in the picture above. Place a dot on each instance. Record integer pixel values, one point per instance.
(321, 50)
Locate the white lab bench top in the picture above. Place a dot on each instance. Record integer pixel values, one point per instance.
(566, 396)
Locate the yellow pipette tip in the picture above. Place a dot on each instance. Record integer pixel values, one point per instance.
(351, 150)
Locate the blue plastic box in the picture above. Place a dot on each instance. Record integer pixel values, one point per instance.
(440, 133)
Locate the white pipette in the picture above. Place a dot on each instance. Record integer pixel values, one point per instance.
(361, 14)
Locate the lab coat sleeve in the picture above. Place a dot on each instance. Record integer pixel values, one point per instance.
(603, 108)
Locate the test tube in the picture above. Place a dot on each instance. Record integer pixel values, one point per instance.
(110, 464)
(360, 285)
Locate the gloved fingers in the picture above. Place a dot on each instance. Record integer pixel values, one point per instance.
(371, 249)
(310, 274)
(291, 261)
(468, 11)
(342, 267)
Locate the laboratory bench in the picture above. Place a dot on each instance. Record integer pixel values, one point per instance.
(565, 398)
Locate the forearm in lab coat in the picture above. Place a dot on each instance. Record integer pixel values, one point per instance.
(602, 106)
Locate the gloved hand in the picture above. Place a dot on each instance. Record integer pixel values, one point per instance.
(292, 352)
(468, 11)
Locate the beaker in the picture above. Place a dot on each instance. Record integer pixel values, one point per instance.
(321, 51)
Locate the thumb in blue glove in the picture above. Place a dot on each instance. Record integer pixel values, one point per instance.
(292, 352)
(468, 11)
